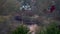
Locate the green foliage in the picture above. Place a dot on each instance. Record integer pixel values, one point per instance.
(51, 29)
(21, 30)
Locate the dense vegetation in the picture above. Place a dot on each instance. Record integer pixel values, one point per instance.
(21, 30)
(51, 29)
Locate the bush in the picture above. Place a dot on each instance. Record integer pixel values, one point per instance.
(51, 29)
(20, 30)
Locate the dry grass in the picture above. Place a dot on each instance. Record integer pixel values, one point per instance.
(4, 18)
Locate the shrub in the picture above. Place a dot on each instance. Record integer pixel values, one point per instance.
(51, 29)
(20, 30)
